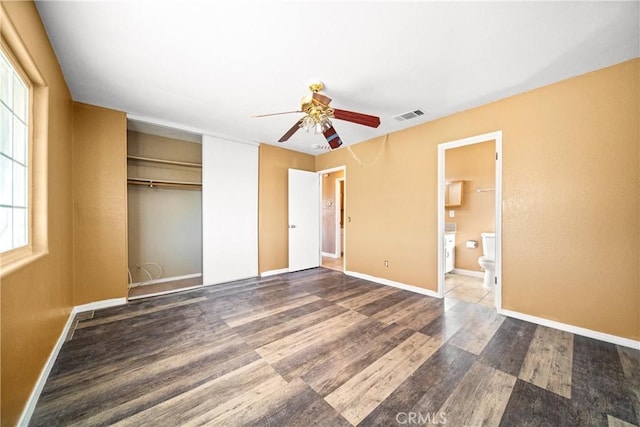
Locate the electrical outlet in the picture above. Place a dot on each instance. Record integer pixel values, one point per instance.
(386, 263)
(452, 214)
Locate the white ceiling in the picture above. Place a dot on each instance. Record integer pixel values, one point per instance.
(209, 66)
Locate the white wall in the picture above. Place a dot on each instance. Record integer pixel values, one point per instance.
(165, 227)
(229, 210)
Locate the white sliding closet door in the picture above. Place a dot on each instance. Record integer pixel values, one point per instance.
(229, 210)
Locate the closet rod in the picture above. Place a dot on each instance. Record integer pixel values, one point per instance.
(164, 183)
(166, 162)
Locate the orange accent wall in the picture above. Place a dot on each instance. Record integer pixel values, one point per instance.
(86, 214)
(273, 242)
(35, 301)
(570, 211)
(99, 203)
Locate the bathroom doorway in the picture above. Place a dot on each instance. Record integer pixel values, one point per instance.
(332, 183)
(469, 200)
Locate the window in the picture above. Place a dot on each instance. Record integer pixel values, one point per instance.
(24, 136)
(14, 155)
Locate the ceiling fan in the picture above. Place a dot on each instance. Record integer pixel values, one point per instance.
(318, 115)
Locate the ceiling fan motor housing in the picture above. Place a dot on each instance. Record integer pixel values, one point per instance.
(315, 101)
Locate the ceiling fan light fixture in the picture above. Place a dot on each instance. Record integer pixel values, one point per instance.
(316, 121)
(307, 123)
(321, 127)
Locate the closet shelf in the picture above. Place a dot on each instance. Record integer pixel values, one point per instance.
(163, 183)
(165, 162)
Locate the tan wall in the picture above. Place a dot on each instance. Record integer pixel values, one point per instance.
(570, 210)
(36, 300)
(329, 207)
(99, 203)
(475, 165)
(386, 199)
(273, 245)
(164, 224)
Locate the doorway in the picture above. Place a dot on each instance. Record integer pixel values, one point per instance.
(463, 224)
(332, 182)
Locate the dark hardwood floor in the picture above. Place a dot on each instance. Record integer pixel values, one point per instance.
(320, 348)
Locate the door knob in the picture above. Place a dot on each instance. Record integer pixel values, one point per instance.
(292, 226)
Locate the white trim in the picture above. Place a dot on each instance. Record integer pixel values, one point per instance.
(613, 339)
(99, 305)
(470, 273)
(388, 282)
(274, 272)
(340, 251)
(30, 406)
(165, 279)
(338, 204)
(171, 291)
(27, 412)
(497, 138)
(330, 255)
(335, 169)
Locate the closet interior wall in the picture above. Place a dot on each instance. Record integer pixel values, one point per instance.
(164, 215)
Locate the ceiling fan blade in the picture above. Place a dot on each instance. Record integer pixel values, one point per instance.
(291, 131)
(332, 138)
(276, 114)
(359, 118)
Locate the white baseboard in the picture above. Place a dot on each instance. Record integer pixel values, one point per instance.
(27, 412)
(613, 339)
(388, 282)
(274, 272)
(30, 406)
(165, 279)
(98, 305)
(468, 272)
(330, 255)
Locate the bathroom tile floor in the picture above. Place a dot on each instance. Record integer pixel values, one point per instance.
(336, 264)
(458, 287)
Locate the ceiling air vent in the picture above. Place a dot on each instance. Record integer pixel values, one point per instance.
(410, 115)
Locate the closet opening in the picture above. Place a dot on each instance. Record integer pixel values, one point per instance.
(164, 210)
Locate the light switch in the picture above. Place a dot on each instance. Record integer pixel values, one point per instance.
(452, 214)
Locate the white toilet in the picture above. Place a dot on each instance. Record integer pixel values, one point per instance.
(488, 259)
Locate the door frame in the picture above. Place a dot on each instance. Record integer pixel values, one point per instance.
(491, 136)
(337, 232)
(338, 203)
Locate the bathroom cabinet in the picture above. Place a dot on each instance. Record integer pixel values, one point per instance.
(453, 194)
(449, 252)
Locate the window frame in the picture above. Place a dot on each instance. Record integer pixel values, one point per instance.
(16, 69)
(37, 135)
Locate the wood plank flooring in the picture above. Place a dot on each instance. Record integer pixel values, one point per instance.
(320, 348)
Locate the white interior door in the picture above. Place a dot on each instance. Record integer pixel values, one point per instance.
(304, 220)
